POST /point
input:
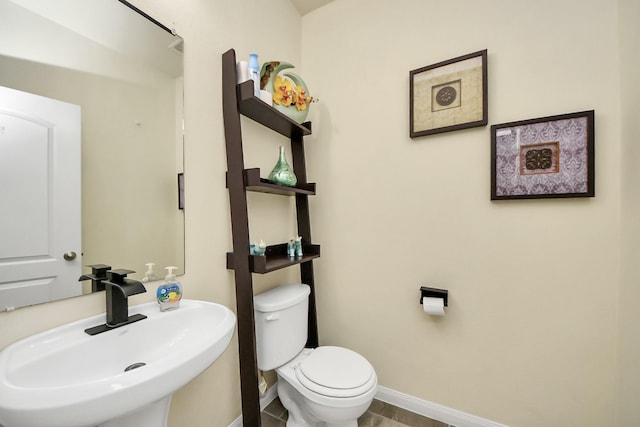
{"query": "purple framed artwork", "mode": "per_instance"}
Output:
(548, 157)
(449, 95)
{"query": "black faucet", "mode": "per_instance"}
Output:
(98, 274)
(118, 289)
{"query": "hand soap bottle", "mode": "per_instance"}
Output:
(149, 275)
(169, 292)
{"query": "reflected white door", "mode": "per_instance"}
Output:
(40, 217)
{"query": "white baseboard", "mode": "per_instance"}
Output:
(404, 401)
(432, 410)
(269, 396)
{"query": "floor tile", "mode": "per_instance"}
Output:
(403, 416)
(276, 409)
(369, 419)
(380, 414)
(271, 421)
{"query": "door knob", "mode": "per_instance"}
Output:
(69, 256)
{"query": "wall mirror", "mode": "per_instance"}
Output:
(91, 146)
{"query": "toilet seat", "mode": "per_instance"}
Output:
(336, 372)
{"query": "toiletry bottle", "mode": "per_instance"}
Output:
(298, 246)
(260, 248)
(254, 73)
(169, 292)
(149, 275)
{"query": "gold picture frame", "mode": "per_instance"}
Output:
(449, 95)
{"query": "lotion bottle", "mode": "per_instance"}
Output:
(254, 73)
(169, 292)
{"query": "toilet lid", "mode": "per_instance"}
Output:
(336, 371)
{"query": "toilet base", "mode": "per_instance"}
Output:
(305, 413)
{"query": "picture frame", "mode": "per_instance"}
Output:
(448, 96)
(181, 191)
(547, 157)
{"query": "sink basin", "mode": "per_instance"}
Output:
(67, 378)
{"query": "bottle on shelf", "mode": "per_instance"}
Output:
(254, 73)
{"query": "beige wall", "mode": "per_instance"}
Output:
(629, 11)
(531, 333)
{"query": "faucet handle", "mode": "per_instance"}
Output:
(117, 276)
(99, 270)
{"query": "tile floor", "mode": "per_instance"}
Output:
(379, 414)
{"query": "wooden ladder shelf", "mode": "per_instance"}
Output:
(239, 99)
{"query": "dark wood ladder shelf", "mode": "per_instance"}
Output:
(253, 182)
(239, 99)
(257, 110)
(276, 257)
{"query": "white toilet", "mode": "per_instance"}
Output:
(322, 387)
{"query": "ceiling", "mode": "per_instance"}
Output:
(306, 6)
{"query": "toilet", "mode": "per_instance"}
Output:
(325, 386)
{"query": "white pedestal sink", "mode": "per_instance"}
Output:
(66, 378)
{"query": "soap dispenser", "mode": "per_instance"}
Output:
(169, 292)
(149, 275)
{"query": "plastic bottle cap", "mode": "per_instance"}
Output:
(170, 274)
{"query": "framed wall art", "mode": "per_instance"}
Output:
(545, 157)
(449, 95)
(181, 190)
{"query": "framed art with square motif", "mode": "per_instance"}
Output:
(545, 157)
(449, 95)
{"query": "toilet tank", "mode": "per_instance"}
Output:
(281, 317)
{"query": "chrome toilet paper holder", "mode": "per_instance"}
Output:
(434, 293)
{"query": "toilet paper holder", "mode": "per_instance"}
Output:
(434, 293)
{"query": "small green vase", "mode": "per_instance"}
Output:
(282, 174)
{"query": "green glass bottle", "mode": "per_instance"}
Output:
(282, 174)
